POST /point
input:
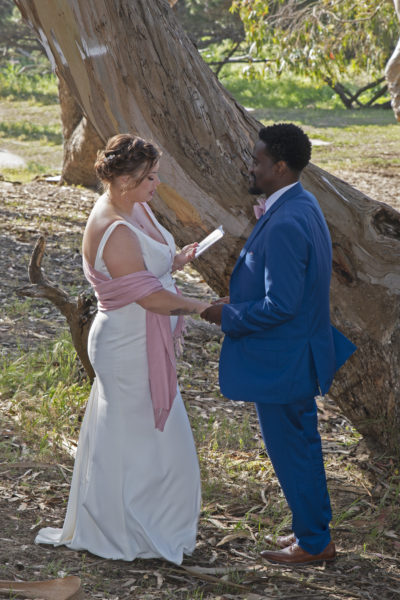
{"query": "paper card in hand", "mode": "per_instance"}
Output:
(208, 241)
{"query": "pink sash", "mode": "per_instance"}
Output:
(118, 292)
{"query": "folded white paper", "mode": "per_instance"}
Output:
(208, 241)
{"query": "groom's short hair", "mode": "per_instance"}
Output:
(287, 142)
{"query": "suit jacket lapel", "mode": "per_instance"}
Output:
(294, 191)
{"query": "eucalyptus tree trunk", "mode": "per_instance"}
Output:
(132, 68)
(81, 141)
(392, 72)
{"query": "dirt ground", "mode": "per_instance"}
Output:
(238, 510)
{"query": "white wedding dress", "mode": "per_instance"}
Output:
(135, 490)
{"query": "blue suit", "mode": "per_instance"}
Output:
(280, 349)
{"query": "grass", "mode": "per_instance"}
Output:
(32, 132)
(43, 390)
(353, 145)
(54, 568)
(286, 92)
(27, 131)
(30, 125)
(359, 139)
(264, 88)
(25, 307)
(224, 433)
(30, 121)
(45, 394)
(28, 173)
(19, 82)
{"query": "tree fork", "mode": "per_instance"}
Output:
(79, 313)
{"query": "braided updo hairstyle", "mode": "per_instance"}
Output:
(126, 154)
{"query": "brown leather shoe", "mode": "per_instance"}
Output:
(282, 541)
(294, 555)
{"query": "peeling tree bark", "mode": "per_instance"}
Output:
(65, 588)
(392, 72)
(81, 141)
(132, 68)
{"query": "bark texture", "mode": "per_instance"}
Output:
(81, 141)
(392, 72)
(65, 588)
(132, 68)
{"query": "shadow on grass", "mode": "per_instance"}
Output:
(301, 100)
(11, 92)
(16, 84)
(24, 130)
(326, 117)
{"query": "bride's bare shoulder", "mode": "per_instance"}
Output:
(100, 218)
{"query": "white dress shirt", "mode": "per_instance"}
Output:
(276, 195)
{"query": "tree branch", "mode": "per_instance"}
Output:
(349, 99)
(227, 59)
(79, 313)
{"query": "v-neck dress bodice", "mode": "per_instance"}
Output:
(158, 257)
(135, 491)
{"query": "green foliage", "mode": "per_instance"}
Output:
(25, 174)
(25, 72)
(54, 568)
(287, 91)
(26, 130)
(321, 38)
(216, 52)
(45, 393)
(16, 37)
(19, 81)
(209, 21)
(31, 129)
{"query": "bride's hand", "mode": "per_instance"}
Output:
(197, 307)
(202, 307)
(185, 256)
(224, 300)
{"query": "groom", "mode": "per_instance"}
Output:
(280, 349)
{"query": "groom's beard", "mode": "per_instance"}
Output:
(253, 188)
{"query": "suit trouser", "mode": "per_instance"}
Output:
(291, 437)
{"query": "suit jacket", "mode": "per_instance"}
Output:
(279, 343)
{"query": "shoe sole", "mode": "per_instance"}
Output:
(318, 561)
(281, 546)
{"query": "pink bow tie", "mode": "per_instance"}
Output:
(259, 209)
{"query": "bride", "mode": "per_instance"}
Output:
(135, 489)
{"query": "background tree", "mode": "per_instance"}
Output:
(131, 67)
(16, 37)
(209, 21)
(324, 39)
(392, 72)
(21, 51)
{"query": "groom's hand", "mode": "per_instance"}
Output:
(224, 300)
(213, 314)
